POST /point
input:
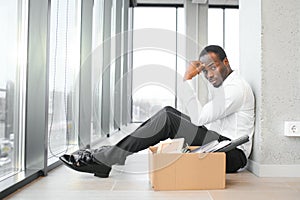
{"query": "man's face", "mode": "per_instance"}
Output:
(215, 70)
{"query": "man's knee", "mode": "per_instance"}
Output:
(169, 109)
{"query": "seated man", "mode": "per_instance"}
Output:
(229, 112)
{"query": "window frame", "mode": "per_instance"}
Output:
(210, 6)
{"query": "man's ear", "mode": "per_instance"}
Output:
(226, 62)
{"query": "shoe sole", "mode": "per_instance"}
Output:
(100, 175)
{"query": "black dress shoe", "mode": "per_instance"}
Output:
(83, 161)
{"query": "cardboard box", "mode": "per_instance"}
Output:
(186, 171)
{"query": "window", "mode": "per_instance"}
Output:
(151, 94)
(45, 70)
(64, 66)
(12, 80)
(223, 30)
(153, 66)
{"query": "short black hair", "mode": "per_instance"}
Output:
(215, 49)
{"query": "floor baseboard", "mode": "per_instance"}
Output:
(263, 170)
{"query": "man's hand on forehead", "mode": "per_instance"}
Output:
(198, 65)
(194, 68)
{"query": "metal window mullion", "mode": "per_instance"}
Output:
(36, 137)
(224, 28)
(97, 64)
(191, 21)
(125, 64)
(130, 67)
(176, 58)
(85, 84)
(118, 65)
(105, 103)
(202, 41)
(19, 136)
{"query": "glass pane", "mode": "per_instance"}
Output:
(181, 45)
(154, 69)
(215, 26)
(12, 66)
(63, 75)
(146, 103)
(154, 17)
(232, 37)
(181, 62)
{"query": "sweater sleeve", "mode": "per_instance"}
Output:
(225, 102)
(189, 100)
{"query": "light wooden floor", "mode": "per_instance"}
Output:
(131, 182)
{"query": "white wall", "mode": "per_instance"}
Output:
(270, 61)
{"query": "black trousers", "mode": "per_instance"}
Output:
(167, 123)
